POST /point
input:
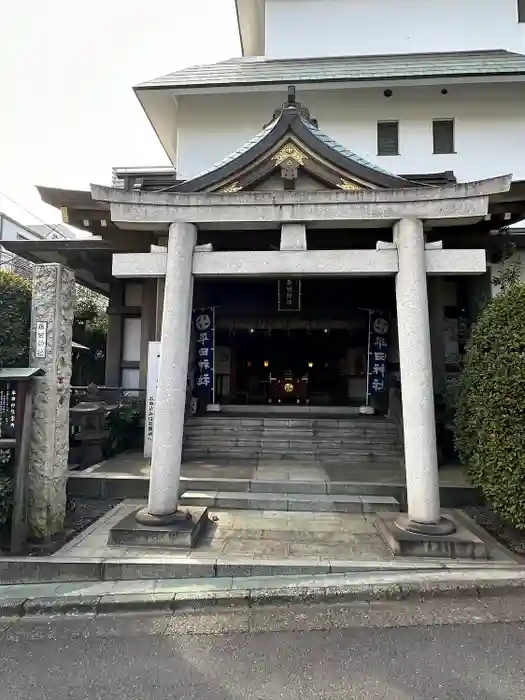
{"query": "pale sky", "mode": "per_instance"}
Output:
(68, 113)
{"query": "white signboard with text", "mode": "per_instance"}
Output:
(41, 339)
(151, 395)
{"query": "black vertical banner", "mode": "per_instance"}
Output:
(377, 388)
(204, 325)
(289, 295)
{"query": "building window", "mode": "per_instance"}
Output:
(521, 10)
(387, 138)
(443, 134)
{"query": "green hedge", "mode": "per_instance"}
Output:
(15, 311)
(490, 419)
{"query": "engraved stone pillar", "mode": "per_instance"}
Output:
(52, 313)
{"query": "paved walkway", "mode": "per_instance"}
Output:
(237, 540)
(275, 535)
(134, 464)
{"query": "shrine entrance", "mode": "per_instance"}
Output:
(322, 366)
(317, 355)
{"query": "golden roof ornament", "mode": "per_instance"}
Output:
(290, 152)
(348, 185)
(232, 188)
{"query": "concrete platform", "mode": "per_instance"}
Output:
(461, 544)
(182, 534)
(127, 476)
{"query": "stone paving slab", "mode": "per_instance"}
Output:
(130, 464)
(271, 534)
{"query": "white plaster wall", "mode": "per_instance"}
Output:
(489, 124)
(131, 340)
(301, 28)
(130, 379)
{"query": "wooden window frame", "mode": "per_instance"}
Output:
(387, 122)
(437, 152)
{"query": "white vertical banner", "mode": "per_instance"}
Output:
(41, 339)
(151, 394)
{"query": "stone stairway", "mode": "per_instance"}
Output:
(354, 440)
(293, 455)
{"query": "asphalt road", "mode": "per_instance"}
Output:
(390, 651)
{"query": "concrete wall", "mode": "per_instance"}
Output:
(300, 28)
(488, 123)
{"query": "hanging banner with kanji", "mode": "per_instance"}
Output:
(289, 295)
(204, 327)
(377, 388)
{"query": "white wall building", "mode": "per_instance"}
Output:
(407, 63)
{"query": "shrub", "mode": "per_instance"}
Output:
(490, 418)
(15, 310)
(124, 427)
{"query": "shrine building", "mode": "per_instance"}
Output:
(315, 268)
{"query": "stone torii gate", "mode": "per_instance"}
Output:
(408, 258)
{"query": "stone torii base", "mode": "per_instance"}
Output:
(451, 539)
(141, 529)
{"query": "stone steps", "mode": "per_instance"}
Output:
(341, 440)
(227, 423)
(292, 441)
(297, 502)
(282, 427)
(246, 453)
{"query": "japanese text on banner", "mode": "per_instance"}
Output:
(378, 360)
(204, 325)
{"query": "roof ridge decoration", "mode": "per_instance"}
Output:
(291, 103)
(293, 143)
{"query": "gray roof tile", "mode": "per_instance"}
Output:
(257, 71)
